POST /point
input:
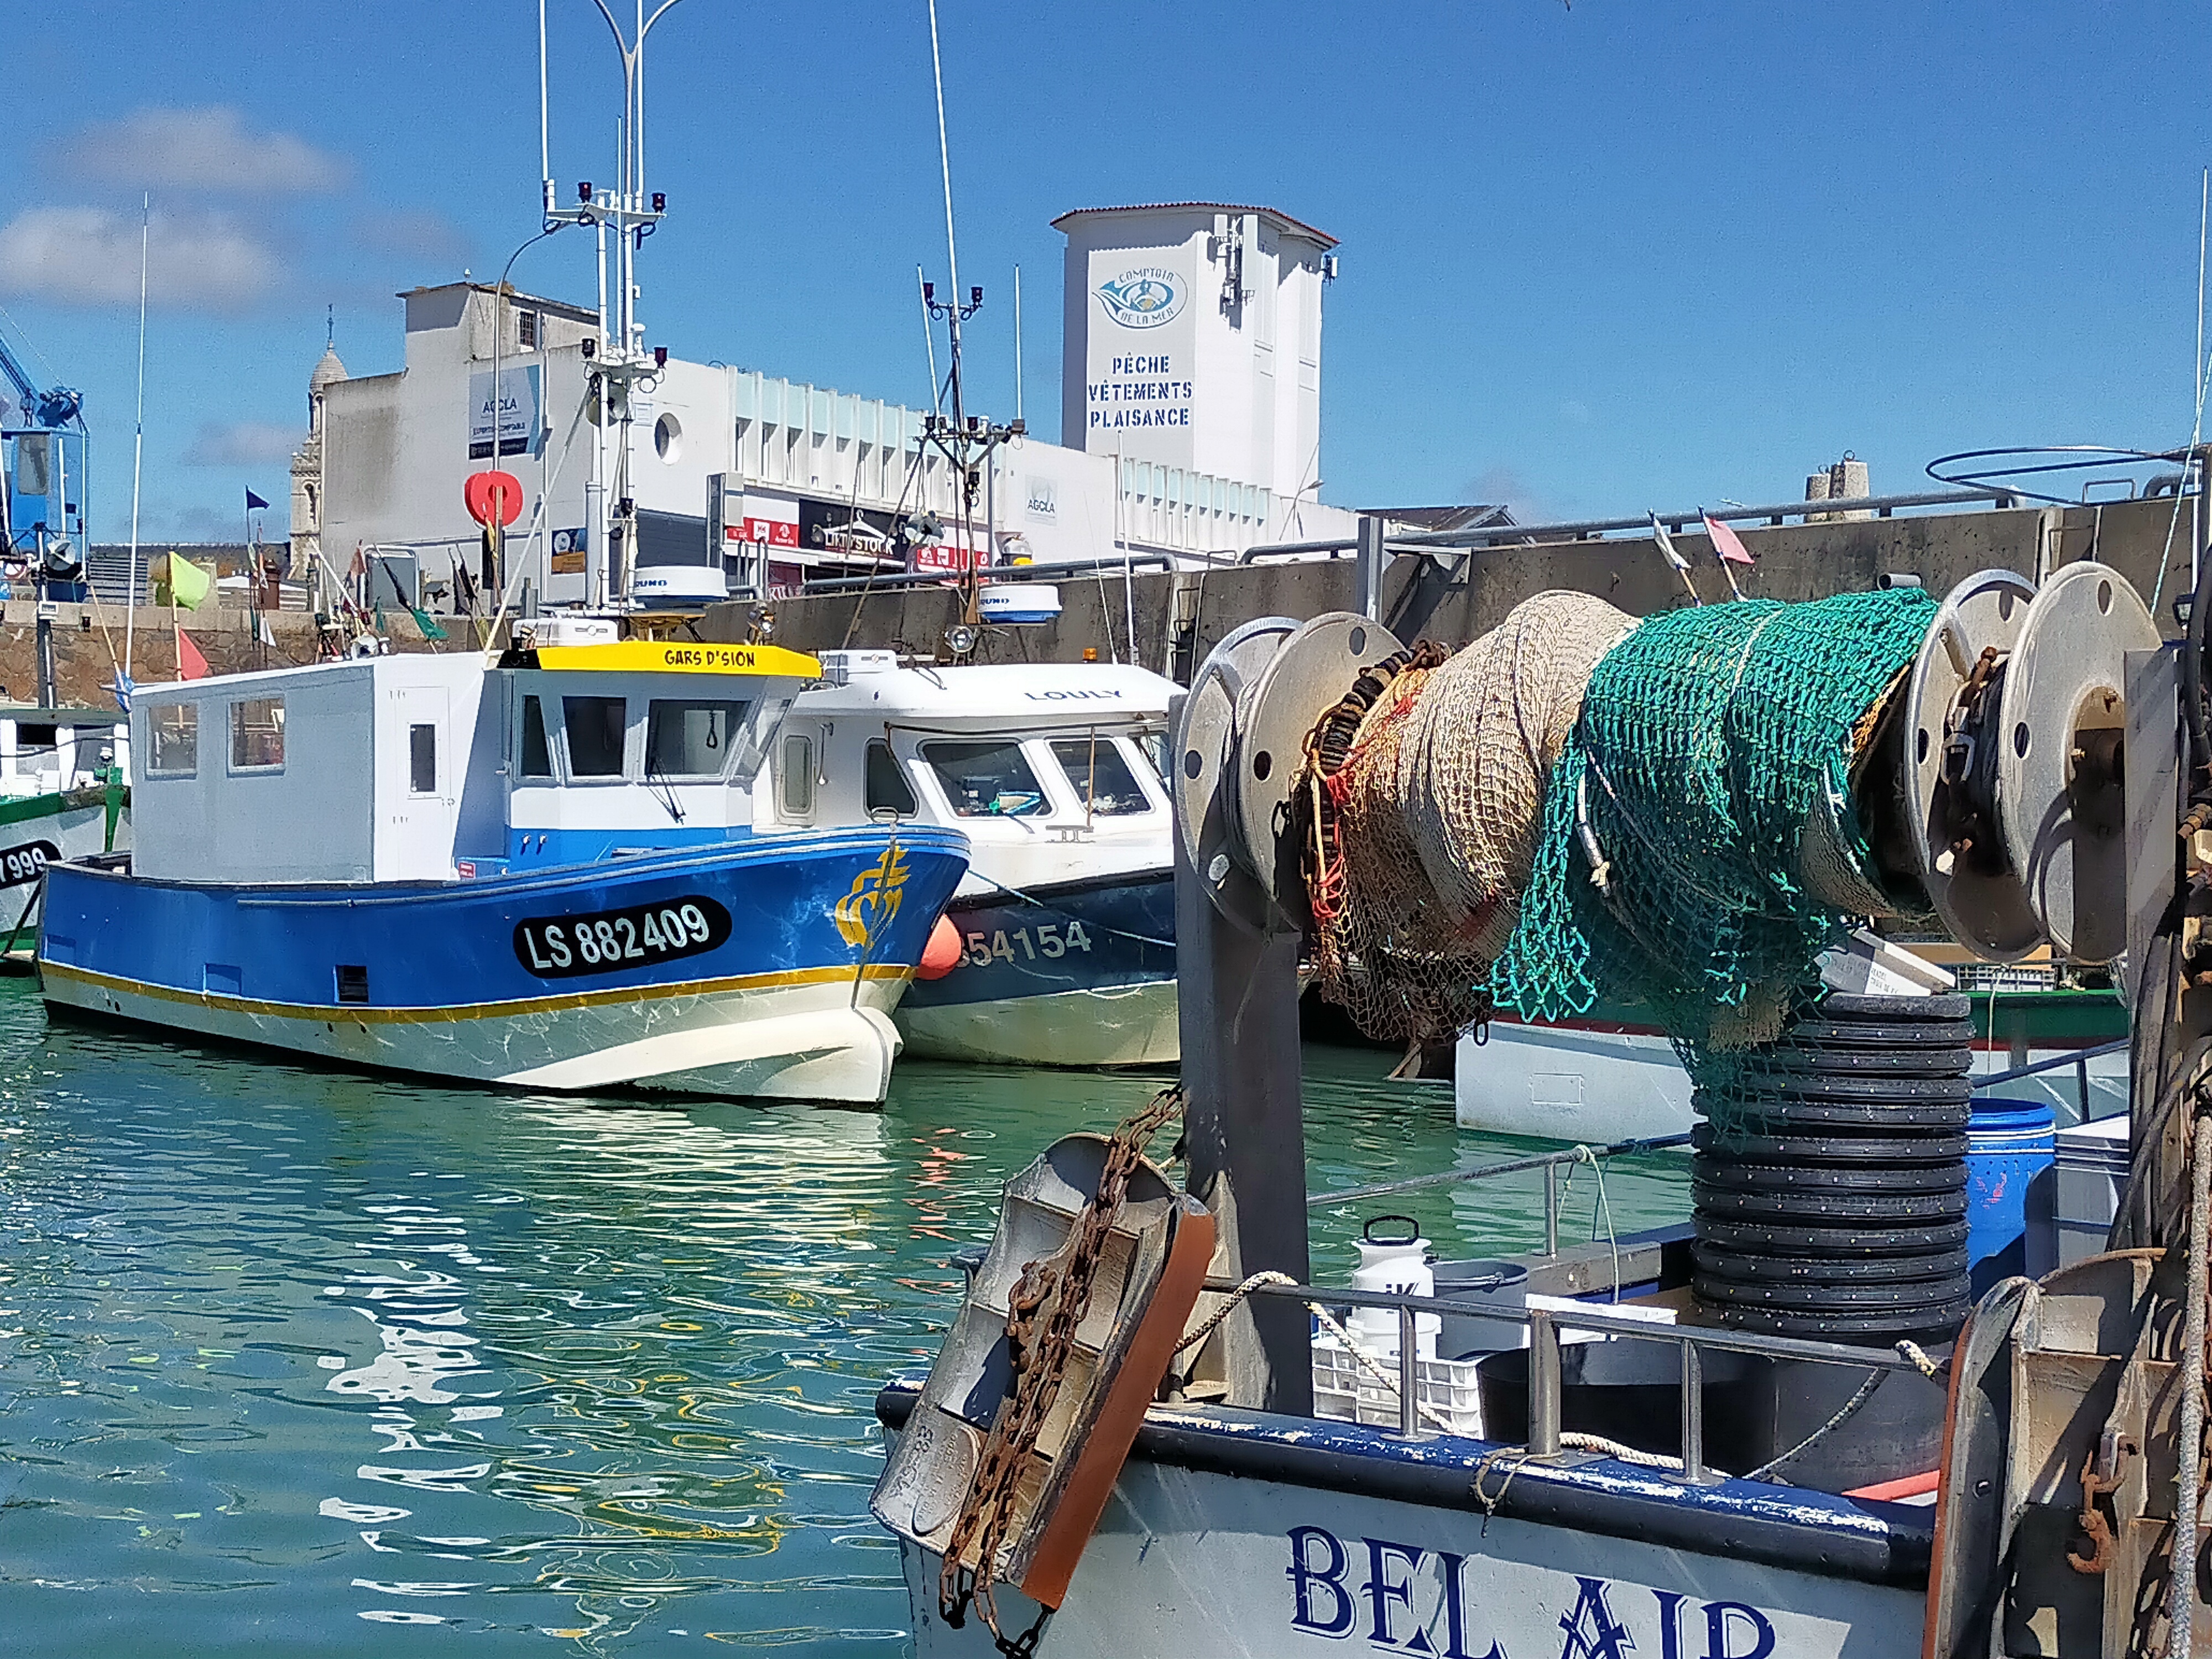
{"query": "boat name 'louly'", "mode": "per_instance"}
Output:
(1064, 695)
(606, 941)
(1607, 1621)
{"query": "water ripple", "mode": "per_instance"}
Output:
(347, 1366)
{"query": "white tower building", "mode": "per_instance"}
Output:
(307, 469)
(1193, 341)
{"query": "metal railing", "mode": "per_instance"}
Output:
(1545, 1389)
(2079, 1059)
(1549, 1162)
(1879, 506)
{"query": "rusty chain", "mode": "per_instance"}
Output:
(1043, 1309)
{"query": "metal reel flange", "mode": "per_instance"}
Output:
(2062, 723)
(1204, 734)
(1311, 673)
(1955, 850)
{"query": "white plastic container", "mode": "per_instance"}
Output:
(1398, 1263)
(1018, 602)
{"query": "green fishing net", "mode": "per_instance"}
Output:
(1708, 740)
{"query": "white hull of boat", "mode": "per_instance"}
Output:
(1192, 1565)
(1568, 1083)
(1104, 1025)
(829, 1039)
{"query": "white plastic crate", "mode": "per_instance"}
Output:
(1346, 1392)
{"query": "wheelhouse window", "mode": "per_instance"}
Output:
(536, 754)
(595, 735)
(423, 760)
(889, 789)
(257, 734)
(687, 739)
(175, 730)
(795, 778)
(1101, 778)
(987, 779)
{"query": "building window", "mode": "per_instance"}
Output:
(987, 779)
(537, 757)
(689, 739)
(423, 760)
(176, 733)
(798, 777)
(257, 734)
(888, 788)
(1102, 779)
(595, 736)
(525, 323)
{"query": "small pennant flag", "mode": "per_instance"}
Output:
(261, 631)
(253, 501)
(123, 686)
(1673, 557)
(190, 665)
(1726, 542)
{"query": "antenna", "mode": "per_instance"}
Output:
(139, 439)
(620, 361)
(966, 441)
(951, 247)
(544, 131)
(1018, 343)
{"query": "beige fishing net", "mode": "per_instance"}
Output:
(1420, 809)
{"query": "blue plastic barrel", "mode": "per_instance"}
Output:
(2009, 1143)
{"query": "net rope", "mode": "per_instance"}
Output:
(1420, 809)
(1671, 868)
(1579, 809)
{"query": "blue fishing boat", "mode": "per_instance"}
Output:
(541, 873)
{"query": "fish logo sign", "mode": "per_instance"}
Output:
(867, 909)
(1144, 298)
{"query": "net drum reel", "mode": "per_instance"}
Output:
(2011, 779)
(1240, 746)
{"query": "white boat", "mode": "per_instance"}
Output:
(1609, 1078)
(1065, 919)
(64, 794)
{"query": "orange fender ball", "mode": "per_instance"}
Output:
(942, 954)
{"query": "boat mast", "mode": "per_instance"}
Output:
(620, 366)
(965, 441)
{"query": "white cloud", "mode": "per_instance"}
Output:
(412, 233)
(242, 443)
(88, 256)
(199, 149)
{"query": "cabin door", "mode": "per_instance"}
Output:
(418, 788)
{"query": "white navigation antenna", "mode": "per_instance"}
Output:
(966, 441)
(621, 363)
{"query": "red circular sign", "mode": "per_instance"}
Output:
(490, 495)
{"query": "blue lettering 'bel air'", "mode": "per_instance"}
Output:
(1368, 1587)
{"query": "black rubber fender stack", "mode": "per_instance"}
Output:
(1830, 1184)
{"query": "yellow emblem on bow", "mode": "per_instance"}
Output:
(866, 910)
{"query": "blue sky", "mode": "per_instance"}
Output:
(1595, 259)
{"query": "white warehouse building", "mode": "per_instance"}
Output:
(1190, 427)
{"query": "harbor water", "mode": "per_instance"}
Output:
(297, 1361)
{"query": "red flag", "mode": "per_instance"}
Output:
(190, 665)
(1726, 542)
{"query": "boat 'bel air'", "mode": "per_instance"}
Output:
(1066, 916)
(541, 873)
(1558, 1493)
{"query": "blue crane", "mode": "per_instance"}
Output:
(43, 477)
